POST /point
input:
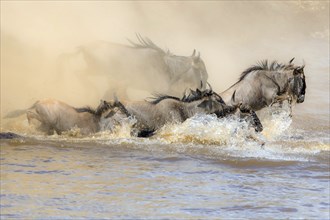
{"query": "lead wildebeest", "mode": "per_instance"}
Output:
(268, 83)
(58, 116)
(152, 115)
(143, 66)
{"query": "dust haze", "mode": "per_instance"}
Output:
(230, 36)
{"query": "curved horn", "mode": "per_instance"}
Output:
(291, 60)
(199, 55)
(194, 52)
(233, 98)
(210, 86)
(303, 66)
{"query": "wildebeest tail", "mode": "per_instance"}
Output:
(19, 112)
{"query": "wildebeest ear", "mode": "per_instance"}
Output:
(291, 60)
(196, 59)
(209, 86)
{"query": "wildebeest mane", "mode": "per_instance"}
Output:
(196, 95)
(160, 97)
(86, 109)
(103, 107)
(190, 97)
(264, 65)
(146, 43)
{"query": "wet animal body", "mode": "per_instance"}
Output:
(57, 116)
(152, 115)
(267, 83)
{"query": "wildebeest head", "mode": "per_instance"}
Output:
(102, 108)
(298, 84)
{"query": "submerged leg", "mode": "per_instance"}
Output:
(290, 105)
(255, 122)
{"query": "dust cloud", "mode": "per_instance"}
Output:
(230, 36)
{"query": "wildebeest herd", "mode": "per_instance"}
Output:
(259, 86)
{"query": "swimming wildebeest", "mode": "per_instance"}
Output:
(143, 66)
(152, 115)
(265, 84)
(58, 116)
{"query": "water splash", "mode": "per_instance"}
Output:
(207, 130)
(202, 135)
(275, 121)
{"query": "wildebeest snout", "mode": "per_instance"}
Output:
(301, 99)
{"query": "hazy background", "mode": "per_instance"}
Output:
(231, 36)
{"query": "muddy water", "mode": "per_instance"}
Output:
(203, 168)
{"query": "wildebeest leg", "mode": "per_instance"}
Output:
(43, 126)
(30, 115)
(290, 105)
(256, 123)
(280, 99)
(46, 128)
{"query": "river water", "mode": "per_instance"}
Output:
(203, 168)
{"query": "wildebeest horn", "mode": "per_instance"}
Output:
(199, 55)
(233, 98)
(291, 60)
(209, 85)
(194, 52)
(303, 66)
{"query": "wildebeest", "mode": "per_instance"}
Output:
(58, 116)
(142, 66)
(268, 83)
(152, 115)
